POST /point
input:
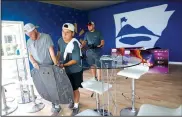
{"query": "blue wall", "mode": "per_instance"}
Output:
(170, 37)
(48, 17)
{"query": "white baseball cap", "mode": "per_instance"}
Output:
(29, 27)
(68, 26)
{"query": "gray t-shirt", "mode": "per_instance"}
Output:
(40, 49)
(75, 55)
(93, 37)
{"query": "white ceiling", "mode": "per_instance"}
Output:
(83, 5)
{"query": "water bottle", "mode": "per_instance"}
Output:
(127, 55)
(114, 56)
(17, 52)
(114, 53)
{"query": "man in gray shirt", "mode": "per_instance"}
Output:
(95, 42)
(70, 54)
(41, 51)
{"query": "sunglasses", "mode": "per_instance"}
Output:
(65, 26)
(89, 23)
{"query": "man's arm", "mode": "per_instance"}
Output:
(58, 52)
(84, 41)
(72, 62)
(32, 60)
(50, 45)
(102, 41)
(58, 55)
(53, 57)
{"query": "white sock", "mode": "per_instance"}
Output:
(56, 106)
(76, 105)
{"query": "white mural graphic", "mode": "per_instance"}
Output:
(141, 28)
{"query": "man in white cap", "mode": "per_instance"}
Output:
(69, 53)
(41, 51)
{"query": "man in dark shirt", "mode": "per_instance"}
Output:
(69, 53)
(95, 41)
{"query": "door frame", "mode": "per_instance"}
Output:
(22, 40)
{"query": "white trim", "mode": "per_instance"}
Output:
(175, 63)
(21, 24)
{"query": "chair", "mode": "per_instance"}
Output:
(134, 72)
(98, 87)
(88, 112)
(152, 110)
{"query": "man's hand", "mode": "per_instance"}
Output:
(57, 64)
(81, 46)
(61, 65)
(99, 46)
(35, 65)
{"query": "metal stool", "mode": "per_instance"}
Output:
(8, 109)
(37, 106)
(99, 88)
(134, 72)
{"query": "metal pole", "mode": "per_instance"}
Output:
(4, 97)
(115, 90)
(20, 80)
(7, 109)
(32, 93)
(133, 95)
(102, 88)
(25, 70)
(97, 95)
(108, 87)
(35, 107)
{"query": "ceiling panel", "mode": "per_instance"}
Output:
(84, 5)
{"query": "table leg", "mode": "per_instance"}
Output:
(130, 111)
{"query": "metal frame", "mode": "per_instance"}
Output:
(130, 111)
(7, 109)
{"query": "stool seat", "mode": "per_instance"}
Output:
(96, 86)
(88, 112)
(153, 110)
(5, 83)
(134, 72)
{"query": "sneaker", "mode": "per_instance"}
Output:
(54, 109)
(55, 114)
(71, 105)
(75, 111)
